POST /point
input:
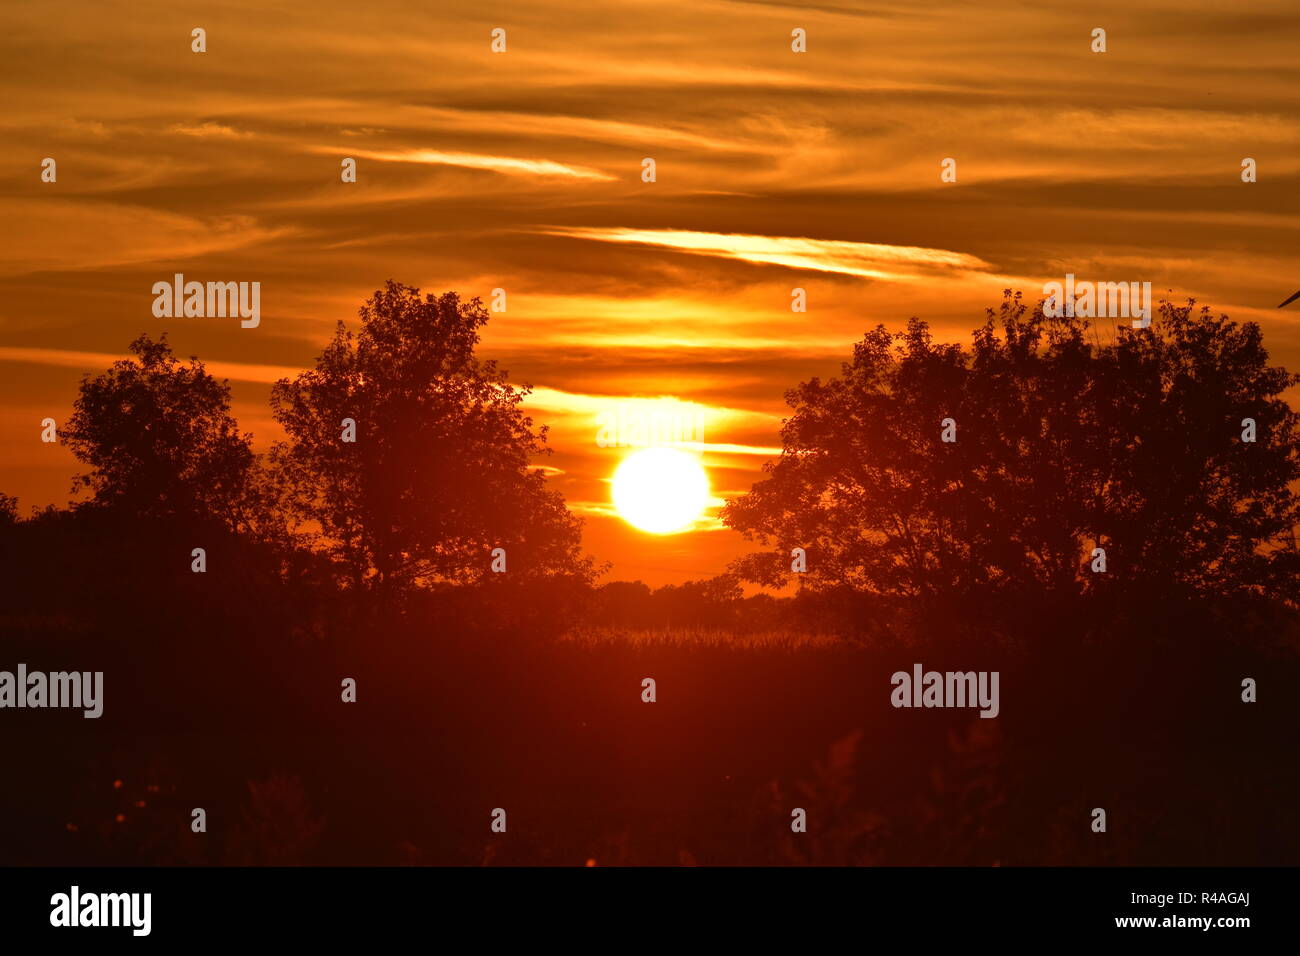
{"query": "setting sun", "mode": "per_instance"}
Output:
(660, 490)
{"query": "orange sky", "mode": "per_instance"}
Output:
(522, 170)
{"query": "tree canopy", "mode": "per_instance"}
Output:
(160, 439)
(1064, 444)
(441, 470)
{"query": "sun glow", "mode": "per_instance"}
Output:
(660, 490)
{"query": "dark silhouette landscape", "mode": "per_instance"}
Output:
(326, 560)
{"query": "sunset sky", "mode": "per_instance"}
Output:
(522, 170)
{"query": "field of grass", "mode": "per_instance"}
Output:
(451, 723)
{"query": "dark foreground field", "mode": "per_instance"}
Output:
(451, 723)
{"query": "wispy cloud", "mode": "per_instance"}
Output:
(579, 418)
(210, 131)
(868, 260)
(509, 165)
(557, 126)
(93, 361)
(87, 234)
(556, 400)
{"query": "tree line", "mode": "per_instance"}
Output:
(1035, 472)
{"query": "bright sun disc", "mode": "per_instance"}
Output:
(660, 490)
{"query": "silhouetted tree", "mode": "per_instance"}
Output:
(160, 439)
(1062, 445)
(440, 472)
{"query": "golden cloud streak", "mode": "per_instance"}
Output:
(865, 259)
(509, 165)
